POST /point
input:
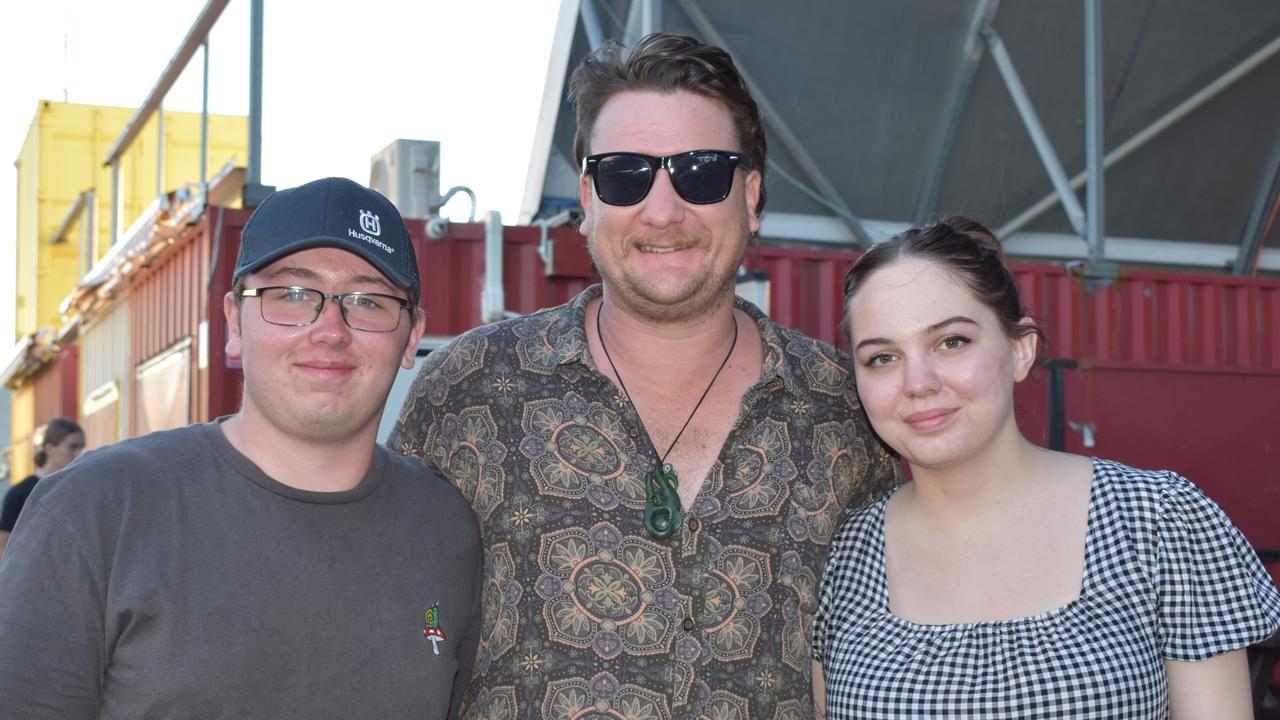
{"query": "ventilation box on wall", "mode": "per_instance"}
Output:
(408, 173)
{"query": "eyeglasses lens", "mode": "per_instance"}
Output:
(302, 306)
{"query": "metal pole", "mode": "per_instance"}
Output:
(253, 174)
(983, 15)
(115, 201)
(774, 120)
(204, 130)
(159, 151)
(590, 23)
(1142, 137)
(1093, 130)
(208, 16)
(1048, 157)
(1264, 205)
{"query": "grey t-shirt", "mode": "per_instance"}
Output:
(168, 576)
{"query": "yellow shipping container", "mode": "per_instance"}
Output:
(62, 157)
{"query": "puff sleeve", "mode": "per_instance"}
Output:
(1214, 596)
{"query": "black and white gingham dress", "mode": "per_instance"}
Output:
(1166, 576)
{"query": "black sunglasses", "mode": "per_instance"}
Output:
(701, 177)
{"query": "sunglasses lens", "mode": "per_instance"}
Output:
(702, 178)
(623, 179)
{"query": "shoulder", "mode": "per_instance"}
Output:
(1149, 494)
(428, 491)
(862, 529)
(102, 474)
(23, 488)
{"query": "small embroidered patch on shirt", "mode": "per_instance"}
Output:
(433, 631)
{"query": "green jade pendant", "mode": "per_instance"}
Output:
(662, 514)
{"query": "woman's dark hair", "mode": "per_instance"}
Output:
(665, 63)
(966, 249)
(53, 433)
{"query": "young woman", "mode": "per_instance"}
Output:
(1007, 580)
(58, 442)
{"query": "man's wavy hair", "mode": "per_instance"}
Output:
(665, 63)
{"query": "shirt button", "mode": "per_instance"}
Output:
(694, 525)
(688, 624)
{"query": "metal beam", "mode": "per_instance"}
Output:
(204, 129)
(195, 36)
(1031, 121)
(1262, 215)
(643, 17)
(1142, 137)
(253, 172)
(983, 15)
(827, 230)
(773, 119)
(591, 23)
(82, 202)
(1095, 196)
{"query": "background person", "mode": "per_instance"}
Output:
(276, 563)
(57, 442)
(658, 467)
(1007, 580)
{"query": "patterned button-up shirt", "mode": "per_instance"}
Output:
(583, 611)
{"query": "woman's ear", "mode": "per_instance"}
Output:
(1025, 349)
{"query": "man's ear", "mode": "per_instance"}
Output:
(415, 334)
(586, 198)
(231, 311)
(752, 196)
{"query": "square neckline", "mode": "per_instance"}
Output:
(1086, 571)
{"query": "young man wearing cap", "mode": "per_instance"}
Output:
(275, 563)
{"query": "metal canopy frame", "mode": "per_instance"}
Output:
(1086, 213)
(1262, 215)
(197, 37)
(1145, 135)
(774, 119)
(961, 87)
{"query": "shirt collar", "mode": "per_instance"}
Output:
(568, 335)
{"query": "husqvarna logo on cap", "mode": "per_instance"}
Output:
(369, 222)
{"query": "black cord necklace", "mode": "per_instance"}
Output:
(662, 512)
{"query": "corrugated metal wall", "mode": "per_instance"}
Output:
(167, 304)
(1148, 318)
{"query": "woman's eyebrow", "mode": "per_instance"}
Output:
(931, 329)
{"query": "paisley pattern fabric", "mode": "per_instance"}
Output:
(585, 615)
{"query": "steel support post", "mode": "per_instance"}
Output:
(254, 191)
(204, 129)
(1048, 157)
(983, 15)
(1262, 215)
(773, 119)
(1142, 137)
(115, 201)
(643, 17)
(1095, 195)
(159, 151)
(591, 23)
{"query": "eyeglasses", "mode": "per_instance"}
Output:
(293, 306)
(701, 177)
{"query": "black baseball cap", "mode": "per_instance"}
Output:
(333, 212)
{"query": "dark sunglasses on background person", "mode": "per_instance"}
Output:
(701, 177)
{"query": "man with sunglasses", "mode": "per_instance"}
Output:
(658, 468)
(276, 563)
